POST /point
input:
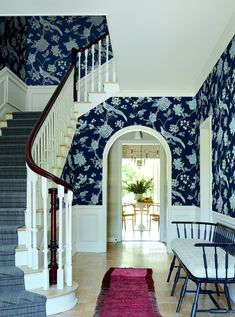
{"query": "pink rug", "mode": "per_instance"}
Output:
(127, 292)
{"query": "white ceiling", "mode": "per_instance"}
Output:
(161, 47)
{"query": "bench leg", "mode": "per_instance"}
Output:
(195, 303)
(226, 291)
(171, 268)
(217, 289)
(177, 275)
(183, 291)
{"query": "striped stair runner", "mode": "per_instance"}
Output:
(14, 299)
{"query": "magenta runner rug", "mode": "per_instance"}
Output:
(127, 292)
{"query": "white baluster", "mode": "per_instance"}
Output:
(99, 65)
(107, 59)
(79, 76)
(114, 73)
(34, 208)
(29, 218)
(60, 271)
(85, 87)
(92, 67)
(45, 248)
(68, 265)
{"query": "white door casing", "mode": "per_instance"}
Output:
(168, 174)
(206, 169)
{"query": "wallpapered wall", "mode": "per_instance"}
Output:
(174, 118)
(38, 49)
(12, 43)
(217, 98)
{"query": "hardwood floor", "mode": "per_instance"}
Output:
(89, 268)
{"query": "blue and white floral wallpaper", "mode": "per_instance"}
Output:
(12, 43)
(177, 119)
(174, 118)
(38, 48)
(217, 98)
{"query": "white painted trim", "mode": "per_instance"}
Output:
(89, 238)
(61, 304)
(222, 43)
(14, 92)
(166, 147)
(206, 169)
(185, 213)
(38, 96)
(224, 219)
(154, 93)
(59, 301)
(181, 213)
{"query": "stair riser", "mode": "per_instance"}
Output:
(7, 259)
(13, 186)
(12, 204)
(10, 163)
(11, 217)
(21, 123)
(16, 131)
(9, 238)
(21, 257)
(14, 150)
(26, 115)
(11, 282)
(33, 280)
(13, 139)
(30, 309)
(13, 173)
(5, 219)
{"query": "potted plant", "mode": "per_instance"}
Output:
(139, 187)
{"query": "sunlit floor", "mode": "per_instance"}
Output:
(89, 269)
(128, 234)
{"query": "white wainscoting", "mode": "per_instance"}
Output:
(13, 92)
(225, 220)
(15, 95)
(180, 213)
(89, 228)
(38, 97)
(230, 222)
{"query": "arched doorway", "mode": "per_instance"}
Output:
(165, 187)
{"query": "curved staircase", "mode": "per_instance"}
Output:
(15, 300)
(24, 196)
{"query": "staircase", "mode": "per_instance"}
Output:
(24, 219)
(14, 299)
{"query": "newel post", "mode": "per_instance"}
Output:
(53, 266)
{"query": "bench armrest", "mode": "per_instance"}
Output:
(214, 245)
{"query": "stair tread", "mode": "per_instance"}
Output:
(10, 270)
(7, 228)
(13, 145)
(20, 297)
(8, 248)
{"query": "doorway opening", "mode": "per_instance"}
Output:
(140, 174)
(112, 181)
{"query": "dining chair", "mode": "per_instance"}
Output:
(128, 213)
(154, 214)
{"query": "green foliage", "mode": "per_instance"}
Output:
(140, 186)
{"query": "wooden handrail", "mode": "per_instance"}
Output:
(29, 159)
